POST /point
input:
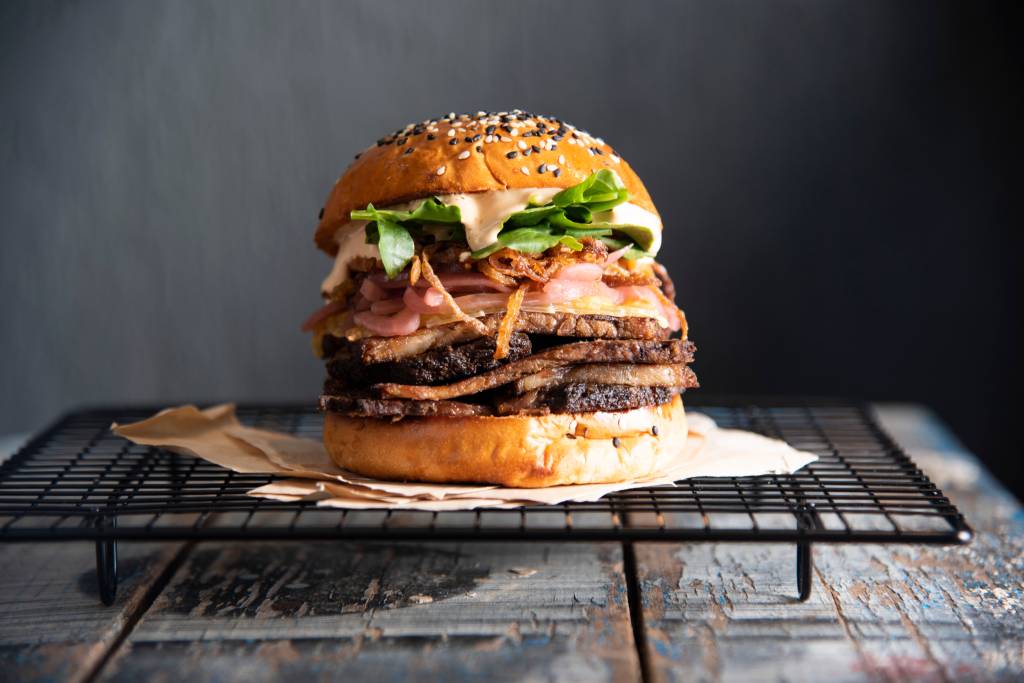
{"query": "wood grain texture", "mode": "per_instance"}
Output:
(893, 613)
(52, 625)
(266, 611)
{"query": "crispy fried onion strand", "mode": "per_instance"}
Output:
(508, 322)
(414, 271)
(435, 282)
(491, 272)
(516, 265)
(666, 282)
(512, 265)
(616, 275)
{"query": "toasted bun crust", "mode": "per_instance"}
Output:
(389, 173)
(521, 452)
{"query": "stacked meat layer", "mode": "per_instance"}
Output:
(555, 363)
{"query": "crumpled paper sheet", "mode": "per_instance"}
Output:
(215, 435)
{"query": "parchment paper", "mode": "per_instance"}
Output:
(215, 434)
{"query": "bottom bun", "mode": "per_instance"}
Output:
(526, 452)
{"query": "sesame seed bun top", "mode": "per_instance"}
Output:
(470, 153)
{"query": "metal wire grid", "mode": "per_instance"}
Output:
(78, 481)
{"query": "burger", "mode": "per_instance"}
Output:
(495, 312)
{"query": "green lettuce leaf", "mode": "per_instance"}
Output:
(393, 240)
(393, 231)
(571, 213)
(600, 191)
(430, 210)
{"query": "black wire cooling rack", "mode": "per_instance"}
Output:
(77, 481)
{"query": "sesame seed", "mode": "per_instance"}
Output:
(654, 430)
(408, 151)
(616, 441)
(514, 132)
(464, 154)
(475, 137)
(535, 148)
(453, 141)
(557, 172)
(479, 148)
(467, 139)
(512, 155)
(615, 158)
(552, 168)
(441, 170)
(451, 132)
(542, 168)
(489, 129)
(489, 139)
(521, 145)
(561, 158)
(527, 152)
(430, 136)
(321, 214)
(506, 139)
(525, 170)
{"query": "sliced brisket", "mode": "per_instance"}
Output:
(359, 406)
(388, 349)
(443, 364)
(595, 351)
(578, 397)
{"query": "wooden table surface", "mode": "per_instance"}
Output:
(536, 612)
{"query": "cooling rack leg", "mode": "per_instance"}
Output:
(804, 569)
(106, 570)
(106, 562)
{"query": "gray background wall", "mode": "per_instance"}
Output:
(833, 177)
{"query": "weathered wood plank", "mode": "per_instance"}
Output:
(262, 611)
(52, 624)
(721, 612)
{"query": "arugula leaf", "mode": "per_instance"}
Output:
(430, 210)
(633, 253)
(393, 240)
(600, 191)
(571, 214)
(536, 240)
(567, 218)
(390, 230)
(531, 216)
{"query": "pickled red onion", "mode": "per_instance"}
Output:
(616, 255)
(404, 322)
(562, 290)
(387, 306)
(451, 281)
(372, 290)
(429, 301)
(321, 314)
(580, 272)
(481, 301)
